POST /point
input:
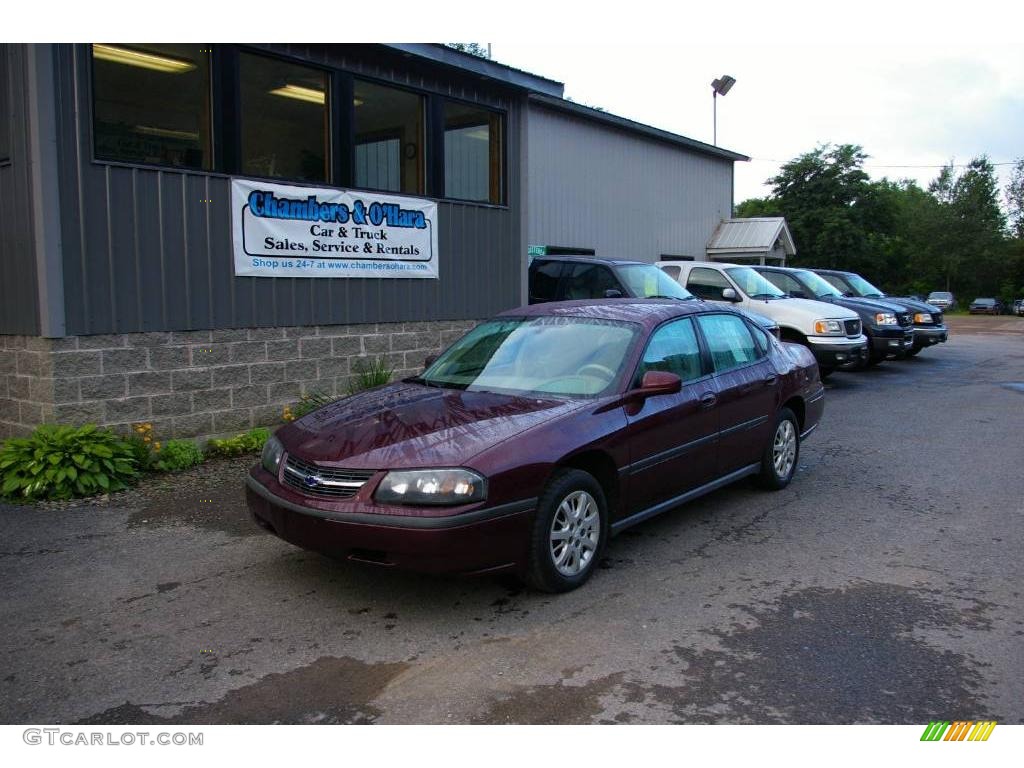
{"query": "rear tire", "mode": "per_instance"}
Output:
(569, 532)
(780, 457)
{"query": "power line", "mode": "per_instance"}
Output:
(874, 165)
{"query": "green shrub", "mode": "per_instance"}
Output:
(239, 445)
(369, 374)
(65, 462)
(177, 455)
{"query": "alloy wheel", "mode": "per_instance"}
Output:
(784, 448)
(575, 533)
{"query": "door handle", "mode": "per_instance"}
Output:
(769, 381)
(708, 399)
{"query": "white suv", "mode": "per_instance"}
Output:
(831, 332)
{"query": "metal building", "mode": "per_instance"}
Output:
(139, 283)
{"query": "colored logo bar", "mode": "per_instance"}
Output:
(958, 730)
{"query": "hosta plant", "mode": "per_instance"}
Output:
(59, 462)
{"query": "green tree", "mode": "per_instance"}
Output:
(838, 218)
(1015, 200)
(970, 233)
(474, 49)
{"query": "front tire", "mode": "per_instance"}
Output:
(569, 532)
(780, 457)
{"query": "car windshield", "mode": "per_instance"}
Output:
(863, 287)
(646, 281)
(940, 295)
(568, 356)
(753, 284)
(985, 301)
(819, 287)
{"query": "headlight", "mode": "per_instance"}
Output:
(885, 318)
(922, 317)
(828, 327)
(431, 486)
(273, 451)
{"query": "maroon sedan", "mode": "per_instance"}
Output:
(538, 435)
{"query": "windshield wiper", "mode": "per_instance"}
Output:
(666, 296)
(764, 296)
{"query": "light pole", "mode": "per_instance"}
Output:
(721, 86)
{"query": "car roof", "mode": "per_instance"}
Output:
(590, 260)
(646, 312)
(833, 271)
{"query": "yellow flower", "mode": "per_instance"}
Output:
(147, 439)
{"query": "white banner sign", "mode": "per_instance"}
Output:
(285, 231)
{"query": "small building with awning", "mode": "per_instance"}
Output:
(764, 240)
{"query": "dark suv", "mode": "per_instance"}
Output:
(926, 318)
(885, 339)
(566, 278)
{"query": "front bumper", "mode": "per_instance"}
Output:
(927, 335)
(891, 342)
(838, 352)
(487, 539)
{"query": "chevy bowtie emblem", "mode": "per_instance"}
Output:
(312, 481)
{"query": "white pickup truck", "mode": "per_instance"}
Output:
(832, 333)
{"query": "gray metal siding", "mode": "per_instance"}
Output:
(142, 252)
(19, 292)
(595, 186)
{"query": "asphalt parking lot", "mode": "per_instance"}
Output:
(883, 586)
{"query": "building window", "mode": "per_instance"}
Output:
(472, 153)
(284, 117)
(5, 106)
(389, 138)
(152, 104)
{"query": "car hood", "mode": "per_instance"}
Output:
(912, 305)
(809, 306)
(412, 425)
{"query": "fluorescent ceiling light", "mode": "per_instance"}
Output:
(142, 59)
(169, 133)
(301, 93)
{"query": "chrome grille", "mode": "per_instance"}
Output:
(852, 327)
(329, 482)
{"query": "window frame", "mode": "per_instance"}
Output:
(439, 151)
(236, 128)
(225, 108)
(761, 354)
(89, 117)
(350, 139)
(7, 129)
(706, 364)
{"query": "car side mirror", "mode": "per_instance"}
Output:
(613, 293)
(729, 294)
(429, 361)
(659, 383)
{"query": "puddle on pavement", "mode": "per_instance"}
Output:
(330, 690)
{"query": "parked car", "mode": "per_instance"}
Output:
(1018, 307)
(944, 300)
(885, 337)
(538, 435)
(832, 333)
(986, 306)
(929, 328)
(564, 278)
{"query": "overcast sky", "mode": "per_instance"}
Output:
(909, 105)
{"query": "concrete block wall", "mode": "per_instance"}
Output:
(197, 383)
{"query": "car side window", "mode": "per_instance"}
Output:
(729, 340)
(786, 283)
(674, 348)
(589, 281)
(672, 271)
(760, 339)
(544, 280)
(707, 283)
